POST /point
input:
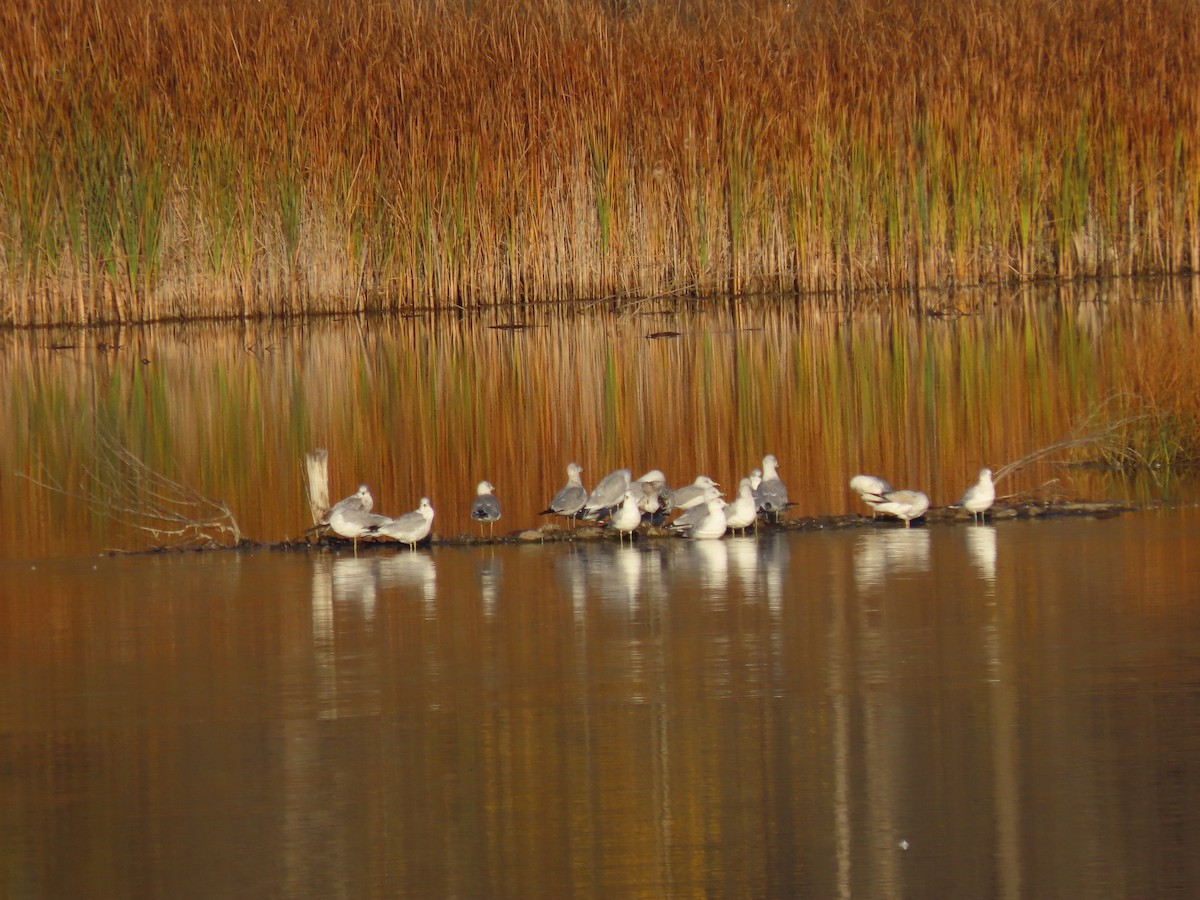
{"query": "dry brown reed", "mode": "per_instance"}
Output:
(222, 158)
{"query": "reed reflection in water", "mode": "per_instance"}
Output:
(1005, 710)
(431, 406)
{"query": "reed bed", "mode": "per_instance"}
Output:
(228, 159)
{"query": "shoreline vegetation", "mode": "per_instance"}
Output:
(226, 159)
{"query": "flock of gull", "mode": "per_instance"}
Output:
(624, 504)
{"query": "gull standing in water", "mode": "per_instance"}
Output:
(906, 505)
(485, 508)
(627, 516)
(608, 493)
(571, 497)
(694, 494)
(410, 528)
(869, 488)
(772, 492)
(741, 513)
(980, 496)
(354, 523)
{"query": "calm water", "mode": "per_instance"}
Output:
(1009, 710)
(948, 711)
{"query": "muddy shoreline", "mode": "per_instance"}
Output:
(555, 532)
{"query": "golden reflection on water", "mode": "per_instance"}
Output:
(430, 406)
(944, 711)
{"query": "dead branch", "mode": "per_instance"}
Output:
(316, 464)
(118, 485)
(1103, 434)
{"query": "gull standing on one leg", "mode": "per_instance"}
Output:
(354, 523)
(485, 508)
(906, 505)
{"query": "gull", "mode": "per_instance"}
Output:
(608, 493)
(866, 486)
(354, 523)
(772, 493)
(410, 528)
(656, 502)
(627, 516)
(741, 513)
(693, 514)
(359, 501)
(980, 496)
(485, 508)
(654, 476)
(714, 524)
(694, 493)
(755, 477)
(906, 505)
(571, 497)
(656, 497)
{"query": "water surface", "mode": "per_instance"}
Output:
(430, 406)
(945, 711)
(1005, 710)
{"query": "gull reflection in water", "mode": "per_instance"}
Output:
(415, 572)
(491, 573)
(619, 576)
(571, 573)
(774, 557)
(884, 553)
(350, 584)
(614, 573)
(712, 561)
(624, 581)
(743, 553)
(981, 547)
(356, 580)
